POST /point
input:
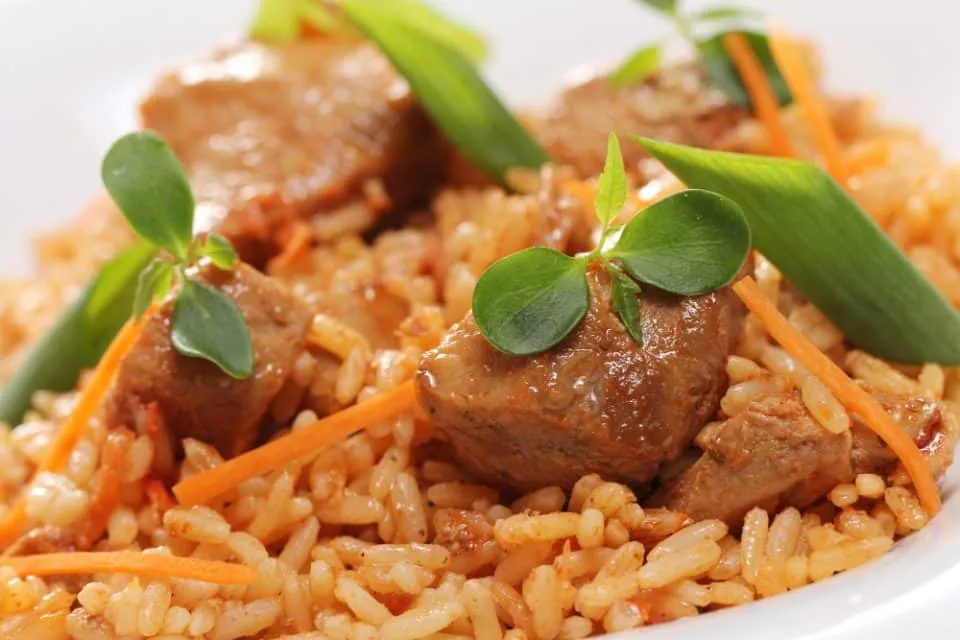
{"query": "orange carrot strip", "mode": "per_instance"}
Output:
(158, 494)
(801, 84)
(276, 454)
(300, 240)
(108, 490)
(874, 156)
(129, 562)
(77, 422)
(846, 391)
(761, 93)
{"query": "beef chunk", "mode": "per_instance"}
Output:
(195, 398)
(597, 403)
(677, 105)
(773, 452)
(273, 133)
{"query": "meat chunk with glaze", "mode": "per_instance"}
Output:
(677, 105)
(597, 403)
(271, 134)
(195, 399)
(775, 454)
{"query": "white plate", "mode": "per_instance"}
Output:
(71, 73)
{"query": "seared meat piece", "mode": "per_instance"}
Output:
(597, 403)
(775, 454)
(195, 398)
(677, 105)
(271, 134)
(773, 449)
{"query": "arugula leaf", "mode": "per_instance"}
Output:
(688, 243)
(452, 92)
(830, 249)
(154, 282)
(219, 250)
(149, 186)
(530, 301)
(611, 185)
(638, 67)
(623, 296)
(207, 324)
(722, 72)
(79, 336)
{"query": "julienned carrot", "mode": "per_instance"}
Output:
(136, 563)
(795, 72)
(846, 391)
(877, 154)
(761, 94)
(77, 422)
(107, 493)
(157, 494)
(298, 242)
(204, 486)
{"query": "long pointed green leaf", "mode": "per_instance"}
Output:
(437, 26)
(824, 243)
(79, 336)
(453, 93)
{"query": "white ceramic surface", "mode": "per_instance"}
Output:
(71, 72)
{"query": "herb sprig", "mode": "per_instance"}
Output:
(150, 188)
(713, 56)
(688, 244)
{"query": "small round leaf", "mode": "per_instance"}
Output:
(207, 324)
(623, 295)
(689, 243)
(149, 186)
(154, 282)
(529, 301)
(219, 250)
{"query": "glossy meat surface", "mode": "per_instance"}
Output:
(194, 397)
(272, 134)
(597, 403)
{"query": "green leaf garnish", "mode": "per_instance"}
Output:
(668, 7)
(149, 186)
(623, 295)
(689, 243)
(451, 91)
(277, 20)
(529, 301)
(722, 72)
(828, 248)
(436, 26)
(611, 184)
(207, 324)
(154, 282)
(638, 67)
(725, 13)
(219, 250)
(79, 336)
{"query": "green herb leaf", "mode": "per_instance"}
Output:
(207, 324)
(669, 7)
(531, 300)
(828, 248)
(450, 89)
(79, 336)
(435, 25)
(725, 13)
(154, 282)
(722, 72)
(611, 185)
(149, 186)
(638, 67)
(321, 18)
(623, 295)
(689, 243)
(277, 21)
(219, 250)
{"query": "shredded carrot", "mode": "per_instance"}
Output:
(206, 485)
(294, 248)
(846, 391)
(795, 72)
(761, 94)
(77, 422)
(875, 155)
(158, 495)
(105, 498)
(136, 563)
